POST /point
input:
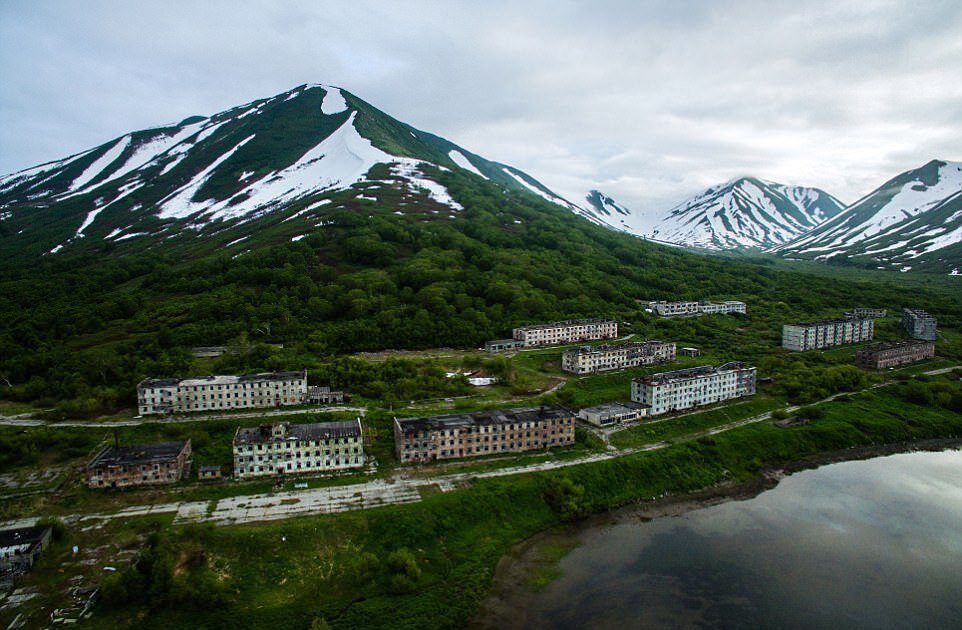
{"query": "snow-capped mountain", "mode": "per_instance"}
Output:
(912, 221)
(296, 156)
(746, 213)
(603, 210)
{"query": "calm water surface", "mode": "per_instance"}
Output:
(866, 544)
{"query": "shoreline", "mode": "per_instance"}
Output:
(516, 566)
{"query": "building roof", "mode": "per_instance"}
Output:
(838, 320)
(316, 431)
(204, 469)
(223, 379)
(568, 322)
(892, 345)
(663, 378)
(622, 346)
(615, 408)
(481, 418)
(138, 454)
(23, 535)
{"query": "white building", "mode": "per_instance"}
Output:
(590, 359)
(613, 413)
(285, 448)
(683, 389)
(823, 334)
(569, 331)
(221, 393)
(689, 308)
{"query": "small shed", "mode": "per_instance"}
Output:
(690, 352)
(207, 473)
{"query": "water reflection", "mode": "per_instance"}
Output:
(868, 544)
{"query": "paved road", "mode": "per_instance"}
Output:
(403, 487)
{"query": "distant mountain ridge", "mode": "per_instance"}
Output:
(912, 221)
(746, 213)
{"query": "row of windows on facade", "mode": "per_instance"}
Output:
(181, 399)
(491, 428)
(250, 448)
(432, 446)
(201, 388)
(300, 466)
(486, 447)
(296, 455)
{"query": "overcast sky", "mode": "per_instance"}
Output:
(651, 102)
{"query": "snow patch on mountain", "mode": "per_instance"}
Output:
(98, 165)
(180, 204)
(461, 160)
(334, 102)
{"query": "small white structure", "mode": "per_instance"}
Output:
(613, 413)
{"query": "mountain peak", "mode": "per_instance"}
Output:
(745, 212)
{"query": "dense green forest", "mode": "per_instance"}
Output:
(80, 331)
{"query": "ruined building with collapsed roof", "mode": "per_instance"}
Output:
(482, 433)
(140, 465)
(285, 448)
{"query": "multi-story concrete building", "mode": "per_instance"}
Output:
(569, 331)
(919, 324)
(221, 393)
(284, 448)
(324, 395)
(683, 389)
(482, 433)
(885, 355)
(613, 413)
(831, 332)
(689, 308)
(139, 465)
(590, 359)
(874, 313)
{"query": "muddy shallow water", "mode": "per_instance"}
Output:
(862, 544)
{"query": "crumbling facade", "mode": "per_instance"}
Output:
(221, 393)
(613, 413)
(482, 433)
(590, 359)
(20, 547)
(140, 465)
(693, 387)
(885, 355)
(285, 448)
(919, 324)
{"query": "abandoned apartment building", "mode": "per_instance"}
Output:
(226, 392)
(451, 436)
(919, 324)
(827, 333)
(693, 387)
(556, 333)
(285, 448)
(880, 356)
(693, 308)
(140, 465)
(590, 359)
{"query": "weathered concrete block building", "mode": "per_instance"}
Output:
(323, 395)
(20, 547)
(482, 433)
(613, 413)
(691, 308)
(885, 355)
(140, 465)
(590, 359)
(500, 345)
(569, 331)
(692, 387)
(826, 333)
(919, 324)
(874, 313)
(285, 448)
(221, 393)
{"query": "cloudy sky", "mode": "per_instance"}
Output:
(648, 101)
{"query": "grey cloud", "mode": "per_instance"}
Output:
(648, 101)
